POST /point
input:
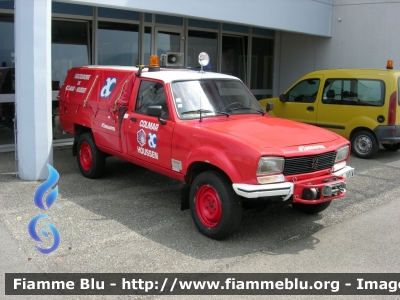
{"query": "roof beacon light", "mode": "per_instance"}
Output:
(154, 64)
(389, 64)
(204, 60)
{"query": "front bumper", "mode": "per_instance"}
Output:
(310, 191)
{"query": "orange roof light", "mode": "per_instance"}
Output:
(154, 62)
(389, 64)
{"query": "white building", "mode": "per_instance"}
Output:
(268, 44)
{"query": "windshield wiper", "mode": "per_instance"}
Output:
(223, 113)
(198, 111)
(242, 107)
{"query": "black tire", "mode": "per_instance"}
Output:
(91, 160)
(215, 207)
(311, 209)
(391, 147)
(364, 144)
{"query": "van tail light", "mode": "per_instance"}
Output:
(392, 109)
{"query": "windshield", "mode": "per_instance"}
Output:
(213, 97)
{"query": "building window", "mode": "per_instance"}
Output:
(202, 41)
(118, 44)
(234, 56)
(147, 45)
(262, 62)
(7, 79)
(7, 86)
(168, 42)
(169, 20)
(71, 9)
(7, 40)
(69, 48)
(118, 14)
(203, 24)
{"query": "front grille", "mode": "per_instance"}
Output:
(309, 164)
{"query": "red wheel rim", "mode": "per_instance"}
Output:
(208, 206)
(85, 156)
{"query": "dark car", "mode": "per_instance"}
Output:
(7, 86)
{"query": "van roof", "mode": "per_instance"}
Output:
(168, 74)
(356, 72)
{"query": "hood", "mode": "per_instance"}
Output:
(271, 132)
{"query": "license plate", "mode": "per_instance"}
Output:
(348, 174)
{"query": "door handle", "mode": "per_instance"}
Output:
(133, 119)
(311, 108)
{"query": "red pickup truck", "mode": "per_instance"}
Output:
(204, 129)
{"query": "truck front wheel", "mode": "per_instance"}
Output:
(311, 209)
(216, 209)
(91, 160)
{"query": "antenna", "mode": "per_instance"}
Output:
(201, 87)
(204, 60)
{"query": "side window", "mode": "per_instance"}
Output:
(333, 88)
(360, 92)
(371, 92)
(151, 93)
(305, 91)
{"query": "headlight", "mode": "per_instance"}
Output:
(340, 160)
(342, 154)
(270, 165)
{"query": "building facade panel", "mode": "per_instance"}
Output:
(365, 34)
(306, 16)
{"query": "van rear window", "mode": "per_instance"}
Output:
(360, 92)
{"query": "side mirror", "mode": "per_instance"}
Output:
(270, 106)
(283, 98)
(156, 111)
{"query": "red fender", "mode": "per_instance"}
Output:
(215, 157)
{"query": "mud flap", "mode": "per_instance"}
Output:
(185, 191)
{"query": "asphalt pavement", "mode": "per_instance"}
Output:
(129, 221)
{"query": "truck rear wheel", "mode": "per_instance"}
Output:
(216, 209)
(311, 209)
(91, 160)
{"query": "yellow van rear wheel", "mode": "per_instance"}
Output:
(364, 144)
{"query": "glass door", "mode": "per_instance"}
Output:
(168, 40)
(234, 56)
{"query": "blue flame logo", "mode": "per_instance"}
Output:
(44, 187)
(50, 199)
(35, 236)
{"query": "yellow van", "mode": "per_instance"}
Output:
(359, 104)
